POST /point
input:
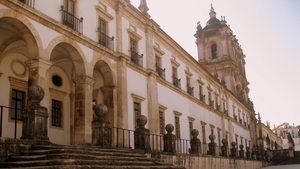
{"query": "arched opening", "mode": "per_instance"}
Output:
(103, 90)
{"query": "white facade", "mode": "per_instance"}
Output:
(36, 45)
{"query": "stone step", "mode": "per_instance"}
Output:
(81, 151)
(65, 162)
(101, 167)
(78, 156)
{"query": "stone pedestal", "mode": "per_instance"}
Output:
(35, 118)
(170, 140)
(248, 152)
(241, 152)
(195, 142)
(233, 150)
(101, 130)
(212, 145)
(142, 135)
(224, 148)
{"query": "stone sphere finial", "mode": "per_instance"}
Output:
(233, 144)
(169, 128)
(224, 142)
(241, 146)
(141, 121)
(212, 137)
(194, 133)
(35, 94)
(100, 111)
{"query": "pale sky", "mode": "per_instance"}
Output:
(269, 34)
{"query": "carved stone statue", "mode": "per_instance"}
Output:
(212, 145)
(224, 148)
(101, 130)
(141, 134)
(169, 140)
(195, 142)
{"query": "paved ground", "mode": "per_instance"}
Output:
(296, 166)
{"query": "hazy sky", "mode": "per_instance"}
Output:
(269, 34)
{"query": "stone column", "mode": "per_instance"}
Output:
(169, 140)
(35, 118)
(83, 115)
(38, 75)
(195, 143)
(142, 135)
(101, 135)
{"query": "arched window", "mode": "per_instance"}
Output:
(214, 51)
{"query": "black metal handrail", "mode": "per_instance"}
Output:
(136, 57)
(176, 82)
(211, 103)
(161, 72)
(15, 119)
(106, 41)
(71, 21)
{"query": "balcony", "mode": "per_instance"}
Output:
(106, 41)
(225, 111)
(136, 57)
(190, 90)
(71, 21)
(176, 82)
(28, 2)
(218, 107)
(235, 117)
(211, 103)
(202, 98)
(161, 72)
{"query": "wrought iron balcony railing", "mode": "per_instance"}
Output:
(106, 41)
(136, 57)
(190, 90)
(202, 98)
(211, 103)
(176, 82)
(71, 21)
(161, 72)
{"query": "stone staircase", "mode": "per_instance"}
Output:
(73, 157)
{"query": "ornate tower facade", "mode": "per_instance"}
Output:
(220, 53)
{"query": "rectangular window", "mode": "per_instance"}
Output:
(56, 113)
(174, 72)
(133, 45)
(157, 61)
(161, 122)
(17, 104)
(102, 32)
(69, 6)
(137, 112)
(177, 127)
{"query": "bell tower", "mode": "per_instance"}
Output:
(220, 53)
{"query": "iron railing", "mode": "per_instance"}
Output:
(71, 21)
(106, 41)
(136, 57)
(161, 72)
(176, 82)
(211, 103)
(190, 90)
(202, 98)
(15, 110)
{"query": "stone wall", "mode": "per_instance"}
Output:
(9, 146)
(209, 162)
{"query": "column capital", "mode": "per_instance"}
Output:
(83, 80)
(39, 63)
